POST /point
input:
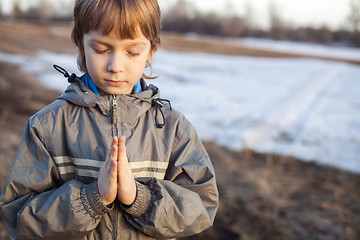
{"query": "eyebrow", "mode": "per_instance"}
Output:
(130, 44)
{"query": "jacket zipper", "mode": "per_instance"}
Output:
(114, 118)
(115, 133)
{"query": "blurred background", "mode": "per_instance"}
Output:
(319, 21)
(272, 87)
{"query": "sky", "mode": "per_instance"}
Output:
(300, 12)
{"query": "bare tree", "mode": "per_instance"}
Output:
(249, 13)
(63, 9)
(249, 19)
(17, 12)
(179, 16)
(354, 21)
(229, 9)
(354, 16)
(277, 26)
(231, 24)
(184, 17)
(42, 11)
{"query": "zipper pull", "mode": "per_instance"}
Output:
(114, 107)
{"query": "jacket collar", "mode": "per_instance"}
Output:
(134, 105)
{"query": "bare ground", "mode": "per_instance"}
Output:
(262, 196)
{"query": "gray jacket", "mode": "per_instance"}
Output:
(51, 191)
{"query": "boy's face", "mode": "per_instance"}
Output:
(115, 65)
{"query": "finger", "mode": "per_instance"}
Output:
(121, 146)
(114, 143)
(115, 140)
(114, 153)
(122, 160)
(122, 140)
(113, 168)
(120, 152)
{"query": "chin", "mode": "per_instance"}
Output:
(115, 92)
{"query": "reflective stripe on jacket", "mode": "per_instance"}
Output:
(51, 191)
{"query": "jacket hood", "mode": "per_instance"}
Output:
(79, 94)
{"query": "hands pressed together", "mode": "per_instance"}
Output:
(115, 177)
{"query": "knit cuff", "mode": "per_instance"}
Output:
(91, 200)
(142, 201)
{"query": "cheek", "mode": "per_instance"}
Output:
(87, 57)
(93, 62)
(139, 67)
(89, 64)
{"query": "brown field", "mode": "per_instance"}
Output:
(262, 196)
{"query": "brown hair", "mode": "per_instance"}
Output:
(124, 17)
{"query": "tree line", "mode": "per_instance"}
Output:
(183, 17)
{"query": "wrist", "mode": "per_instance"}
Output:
(128, 198)
(92, 201)
(142, 201)
(106, 203)
(105, 197)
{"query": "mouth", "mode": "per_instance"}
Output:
(114, 82)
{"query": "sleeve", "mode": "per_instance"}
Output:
(35, 206)
(186, 202)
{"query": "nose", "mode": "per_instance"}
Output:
(116, 63)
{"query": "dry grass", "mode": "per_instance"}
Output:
(27, 38)
(284, 198)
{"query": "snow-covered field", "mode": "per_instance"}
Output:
(306, 108)
(301, 48)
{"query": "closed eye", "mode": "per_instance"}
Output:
(99, 48)
(101, 51)
(133, 54)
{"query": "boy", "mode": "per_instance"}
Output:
(74, 178)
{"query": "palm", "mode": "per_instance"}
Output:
(115, 176)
